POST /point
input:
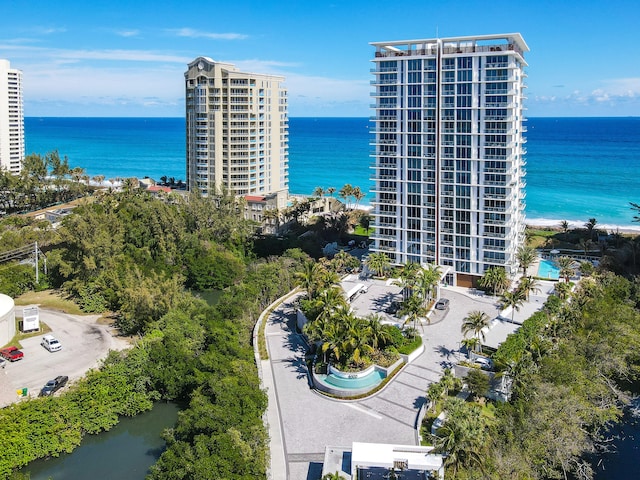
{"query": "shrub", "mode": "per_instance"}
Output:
(412, 345)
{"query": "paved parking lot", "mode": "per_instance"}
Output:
(84, 344)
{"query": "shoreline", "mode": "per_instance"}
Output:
(574, 224)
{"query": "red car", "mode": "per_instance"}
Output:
(11, 353)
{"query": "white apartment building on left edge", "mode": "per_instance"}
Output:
(11, 118)
(237, 130)
(449, 157)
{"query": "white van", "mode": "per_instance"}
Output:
(51, 343)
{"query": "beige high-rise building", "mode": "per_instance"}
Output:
(449, 153)
(237, 130)
(11, 118)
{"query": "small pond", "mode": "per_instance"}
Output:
(125, 452)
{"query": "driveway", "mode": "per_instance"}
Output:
(84, 344)
(309, 421)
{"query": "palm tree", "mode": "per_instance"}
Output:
(270, 216)
(332, 340)
(526, 256)
(585, 244)
(495, 278)
(427, 281)
(357, 339)
(333, 476)
(379, 262)
(435, 392)
(514, 300)
(414, 310)
(562, 290)
(365, 222)
(566, 269)
(408, 278)
(448, 380)
(307, 278)
(329, 301)
(463, 437)
(357, 195)
(318, 192)
(345, 193)
(331, 191)
(590, 226)
(378, 333)
(564, 225)
(98, 179)
(475, 321)
(471, 344)
(528, 285)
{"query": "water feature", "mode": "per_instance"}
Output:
(125, 452)
(372, 379)
(548, 269)
(622, 462)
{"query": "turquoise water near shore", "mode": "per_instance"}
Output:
(577, 168)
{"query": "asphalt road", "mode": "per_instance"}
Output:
(84, 344)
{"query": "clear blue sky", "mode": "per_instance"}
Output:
(127, 58)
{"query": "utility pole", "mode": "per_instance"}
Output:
(36, 249)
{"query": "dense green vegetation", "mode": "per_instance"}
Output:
(43, 181)
(573, 366)
(345, 340)
(137, 255)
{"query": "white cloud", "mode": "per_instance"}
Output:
(28, 53)
(127, 33)
(191, 33)
(612, 93)
(47, 30)
(90, 82)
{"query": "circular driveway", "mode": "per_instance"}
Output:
(310, 422)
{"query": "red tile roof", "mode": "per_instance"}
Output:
(158, 188)
(252, 198)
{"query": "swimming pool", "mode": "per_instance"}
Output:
(548, 269)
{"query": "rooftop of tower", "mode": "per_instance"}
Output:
(468, 44)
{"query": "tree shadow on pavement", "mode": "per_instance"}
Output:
(444, 351)
(298, 365)
(278, 317)
(419, 401)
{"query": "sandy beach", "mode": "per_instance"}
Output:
(555, 224)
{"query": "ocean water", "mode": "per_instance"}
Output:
(577, 168)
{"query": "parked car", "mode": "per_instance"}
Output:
(11, 353)
(54, 385)
(51, 343)
(442, 304)
(393, 308)
(484, 363)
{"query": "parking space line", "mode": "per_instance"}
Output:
(368, 412)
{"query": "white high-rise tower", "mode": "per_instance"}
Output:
(449, 152)
(11, 118)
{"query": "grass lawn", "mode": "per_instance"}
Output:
(358, 230)
(51, 299)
